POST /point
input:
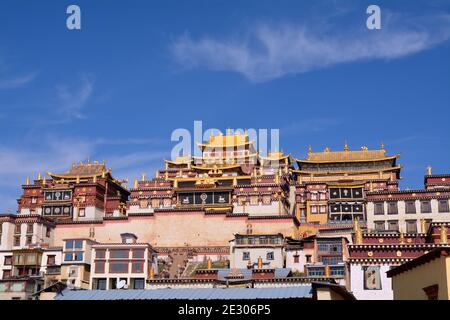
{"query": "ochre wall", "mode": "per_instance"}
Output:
(175, 229)
(409, 285)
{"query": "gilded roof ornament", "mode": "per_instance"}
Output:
(429, 170)
(345, 146)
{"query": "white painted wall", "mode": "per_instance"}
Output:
(357, 284)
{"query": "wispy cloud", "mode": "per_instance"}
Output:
(268, 52)
(17, 82)
(71, 101)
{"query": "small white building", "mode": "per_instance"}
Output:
(247, 249)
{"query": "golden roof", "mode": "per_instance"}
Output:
(275, 156)
(347, 156)
(228, 140)
(180, 160)
(83, 170)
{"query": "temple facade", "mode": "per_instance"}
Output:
(221, 206)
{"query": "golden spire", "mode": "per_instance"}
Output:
(382, 146)
(39, 177)
(364, 148)
(27, 181)
(143, 176)
(346, 146)
(152, 273)
(402, 236)
(327, 149)
(260, 262)
(44, 181)
(136, 184)
(94, 179)
(310, 150)
(429, 170)
(444, 239)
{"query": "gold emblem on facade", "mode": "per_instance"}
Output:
(399, 253)
(370, 253)
(380, 240)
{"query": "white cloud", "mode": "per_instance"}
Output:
(269, 52)
(71, 101)
(17, 82)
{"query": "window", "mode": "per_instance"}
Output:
(379, 225)
(74, 244)
(137, 267)
(266, 199)
(167, 202)
(331, 259)
(308, 258)
(16, 241)
(245, 255)
(73, 256)
(6, 274)
(372, 278)
(47, 232)
(51, 260)
(101, 284)
(99, 267)
(270, 255)
(393, 225)
(8, 261)
(322, 196)
(138, 254)
(323, 209)
(143, 204)
(296, 258)
(100, 254)
(316, 272)
(139, 284)
(17, 229)
(443, 206)
(425, 206)
(392, 208)
(119, 254)
(81, 212)
(410, 207)
(411, 226)
(155, 203)
(334, 271)
(118, 267)
(379, 207)
(33, 200)
(313, 196)
(29, 240)
(313, 209)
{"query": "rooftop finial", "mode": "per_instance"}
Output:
(429, 170)
(39, 177)
(364, 148)
(382, 146)
(327, 149)
(136, 184)
(310, 150)
(345, 146)
(143, 176)
(27, 181)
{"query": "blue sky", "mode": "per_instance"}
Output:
(137, 70)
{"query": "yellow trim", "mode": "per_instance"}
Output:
(349, 172)
(215, 178)
(343, 161)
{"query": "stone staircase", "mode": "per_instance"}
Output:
(178, 264)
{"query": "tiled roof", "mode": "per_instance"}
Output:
(293, 292)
